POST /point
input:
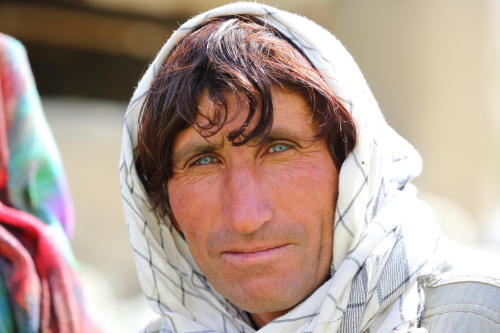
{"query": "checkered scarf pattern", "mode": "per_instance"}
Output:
(384, 238)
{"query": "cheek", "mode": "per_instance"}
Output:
(314, 183)
(178, 204)
(190, 203)
(196, 207)
(306, 194)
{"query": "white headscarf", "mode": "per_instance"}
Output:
(384, 237)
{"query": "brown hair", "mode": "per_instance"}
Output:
(241, 55)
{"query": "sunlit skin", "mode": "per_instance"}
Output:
(258, 219)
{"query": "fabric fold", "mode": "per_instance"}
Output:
(44, 291)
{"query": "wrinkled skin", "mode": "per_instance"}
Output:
(258, 219)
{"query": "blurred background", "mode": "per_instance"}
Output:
(433, 65)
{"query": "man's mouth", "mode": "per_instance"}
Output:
(255, 254)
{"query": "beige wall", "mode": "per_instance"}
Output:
(165, 8)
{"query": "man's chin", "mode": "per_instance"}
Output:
(265, 307)
(263, 298)
(268, 305)
(275, 288)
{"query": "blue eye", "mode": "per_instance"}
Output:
(279, 147)
(205, 160)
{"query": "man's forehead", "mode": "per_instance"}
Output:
(285, 102)
(292, 120)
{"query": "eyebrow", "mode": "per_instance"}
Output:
(195, 148)
(284, 133)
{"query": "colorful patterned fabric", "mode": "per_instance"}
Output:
(39, 291)
(43, 290)
(36, 183)
(385, 238)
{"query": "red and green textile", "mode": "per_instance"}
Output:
(39, 291)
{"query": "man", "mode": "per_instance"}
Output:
(264, 190)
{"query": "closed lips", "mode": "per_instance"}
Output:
(255, 253)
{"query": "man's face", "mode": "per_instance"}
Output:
(258, 219)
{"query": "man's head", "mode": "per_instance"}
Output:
(240, 144)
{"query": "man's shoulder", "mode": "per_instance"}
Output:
(465, 297)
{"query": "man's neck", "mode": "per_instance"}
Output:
(261, 319)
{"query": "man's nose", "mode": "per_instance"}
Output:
(246, 201)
